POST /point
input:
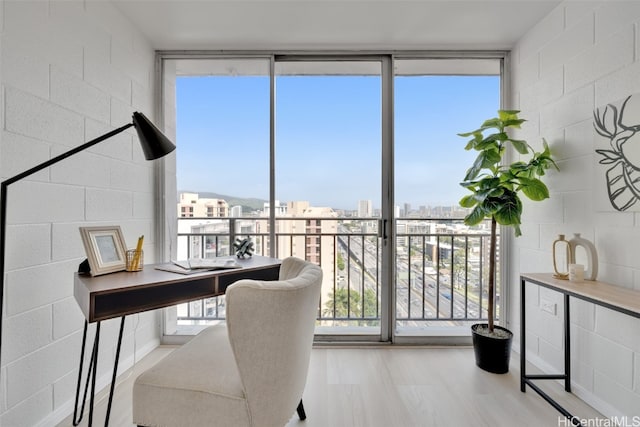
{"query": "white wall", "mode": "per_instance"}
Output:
(582, 56)
(70, 71)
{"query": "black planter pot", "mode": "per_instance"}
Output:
(492, 353)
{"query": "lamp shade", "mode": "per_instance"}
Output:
(154, 143)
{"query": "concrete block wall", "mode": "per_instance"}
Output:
(582, 56)
(70, 71)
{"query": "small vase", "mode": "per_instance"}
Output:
(591, 271)
(561, 258)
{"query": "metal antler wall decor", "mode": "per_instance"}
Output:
(623, 177)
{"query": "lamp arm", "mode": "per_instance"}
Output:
(3, 199)
(66, 154)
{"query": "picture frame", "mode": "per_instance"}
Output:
(105, 248)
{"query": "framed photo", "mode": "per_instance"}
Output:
(105, 248)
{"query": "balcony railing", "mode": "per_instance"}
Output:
(440, 273)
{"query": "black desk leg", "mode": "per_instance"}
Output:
(77, 420)
(115, 372)
(567, 345)
(523, 346)
(96, 343)
(91, 376)
(93, 361)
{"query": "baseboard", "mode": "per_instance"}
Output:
(585, 395)
(66, 409)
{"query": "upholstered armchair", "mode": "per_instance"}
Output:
(251, 371)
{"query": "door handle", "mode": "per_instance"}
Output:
(382, 232)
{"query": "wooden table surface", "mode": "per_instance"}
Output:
(118, 294)
(616, 297)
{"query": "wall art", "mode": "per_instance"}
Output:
(617, 142)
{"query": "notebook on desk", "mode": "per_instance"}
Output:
(195, 265)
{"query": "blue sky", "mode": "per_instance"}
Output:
(328, 138)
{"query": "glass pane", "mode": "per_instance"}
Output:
(222, 163)
(441, 279)
(328, 157)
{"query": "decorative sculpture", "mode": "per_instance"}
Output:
(243, 247)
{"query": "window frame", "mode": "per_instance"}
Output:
(166, 191)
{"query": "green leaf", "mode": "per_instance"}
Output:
(488, 143)
(471, 185)
(468, 201)
(518, 167)
(467, 134)
(497, 192)
(513, 123)
(473, 142)
(505, 115)
(492, 205)
(476, 216)
(492, 123)
(485, 159)
(489, 182)
(534, 189)
(510, 211)
(520, 146)
(517, 231)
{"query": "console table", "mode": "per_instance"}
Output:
(617, 298)
(119, 294)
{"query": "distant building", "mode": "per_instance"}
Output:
(192, 206)
(306, 232)
(236, 212)
(280, 209)
(365, 208)
(407, 209)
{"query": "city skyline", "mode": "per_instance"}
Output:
(201, 200)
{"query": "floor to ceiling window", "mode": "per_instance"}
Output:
(440, 279)
(349, 161)
(222, 129)
(328, 155)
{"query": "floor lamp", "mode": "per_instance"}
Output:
(154, 145)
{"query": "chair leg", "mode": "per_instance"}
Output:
(301, 412)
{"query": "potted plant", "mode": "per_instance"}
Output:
(495, 188)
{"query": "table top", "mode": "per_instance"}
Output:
(117, 294)
(616, 297)
(114, 282)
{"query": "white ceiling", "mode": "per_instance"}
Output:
(334, 24)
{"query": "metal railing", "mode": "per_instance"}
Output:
(440, 265)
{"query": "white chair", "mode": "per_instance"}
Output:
(251, 372)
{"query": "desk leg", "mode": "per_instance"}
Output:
(567, 345)
(115, 372)
(91, 376)
(91, 371)
(96, 344)
(523, 346)
(77, 420)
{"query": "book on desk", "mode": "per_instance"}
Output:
(196, 265)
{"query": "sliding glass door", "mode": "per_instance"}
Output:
(327, 171)
(222, 118)
(440, 275)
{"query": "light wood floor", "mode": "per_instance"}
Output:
(389, 387)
